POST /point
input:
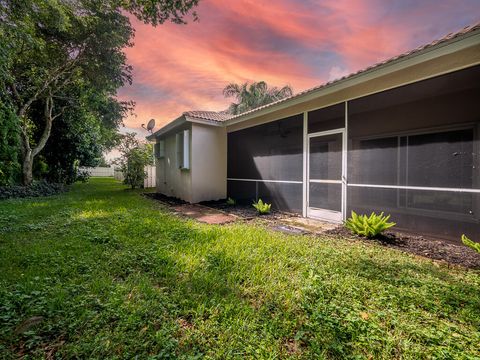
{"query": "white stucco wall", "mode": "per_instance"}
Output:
(207, 177)
(170, 180)
(209, 162)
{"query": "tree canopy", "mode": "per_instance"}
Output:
(249, 96)
(62, 62)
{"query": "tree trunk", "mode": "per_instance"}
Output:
(27, 175)
(28, 154)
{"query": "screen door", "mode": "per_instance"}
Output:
(325, 175)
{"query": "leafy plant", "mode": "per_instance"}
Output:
(231, 202)
(470, 243)
(37, 188)
(134, 157)
(368, 226)
(82, 175)
(262, 208)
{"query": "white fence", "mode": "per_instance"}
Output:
(118, 175)
(149, 181)
(98, 171)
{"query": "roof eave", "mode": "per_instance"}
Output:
(168, 127)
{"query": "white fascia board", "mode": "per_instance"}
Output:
(430, 53)
(203, 121)
(180, 121)
(170, 126)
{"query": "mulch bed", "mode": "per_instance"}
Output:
(443, 250)
(165, 199)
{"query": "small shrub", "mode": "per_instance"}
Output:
(134, 157)
(470, 243)
(82, 175)
(231, 202)
(262, 208)
(368, 226)
(38, 188)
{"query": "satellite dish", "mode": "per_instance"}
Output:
(150, 125)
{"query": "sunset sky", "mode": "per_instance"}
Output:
(300, 43)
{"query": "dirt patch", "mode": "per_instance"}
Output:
(431, 248)
(205, 214)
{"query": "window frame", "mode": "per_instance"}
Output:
(182, 143)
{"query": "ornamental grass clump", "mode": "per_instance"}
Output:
(368, 226)
(262, 208)
(470, 243)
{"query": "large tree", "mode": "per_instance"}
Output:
(54, 46)
(252, 95)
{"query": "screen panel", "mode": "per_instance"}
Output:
(244, 192)
(325, 157)
(420, 135)
(441, 159)
(329, 118)
(272, 151)
(282, 196)
(325, 196)
(439, 214)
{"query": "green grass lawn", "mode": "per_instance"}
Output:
(102, 272)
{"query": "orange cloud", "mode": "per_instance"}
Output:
(185, 67)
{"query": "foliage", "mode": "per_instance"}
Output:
(231, 202)
(134, 157)
(81, 137)
(59, 55)
(102, 162)
(368, 226)
(262, 208)
(470, 243)
(82, 176)
(253, 95)
(9, 146)
(37, 188)
(100, 272)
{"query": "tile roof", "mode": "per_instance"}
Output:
(445, 39)
(209, 115)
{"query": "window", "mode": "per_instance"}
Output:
(160, 149)
(183, 149)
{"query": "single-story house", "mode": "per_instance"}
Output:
(401, 137)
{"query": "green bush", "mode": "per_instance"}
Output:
(231, 202)
(368, 226)
(472, 244)
(37, 188)
(134, 157)
(9, 146)
(262, 208)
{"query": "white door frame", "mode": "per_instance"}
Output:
(325, 214)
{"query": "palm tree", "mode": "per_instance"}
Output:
(252, 95)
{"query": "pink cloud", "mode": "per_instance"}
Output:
(179, 68)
